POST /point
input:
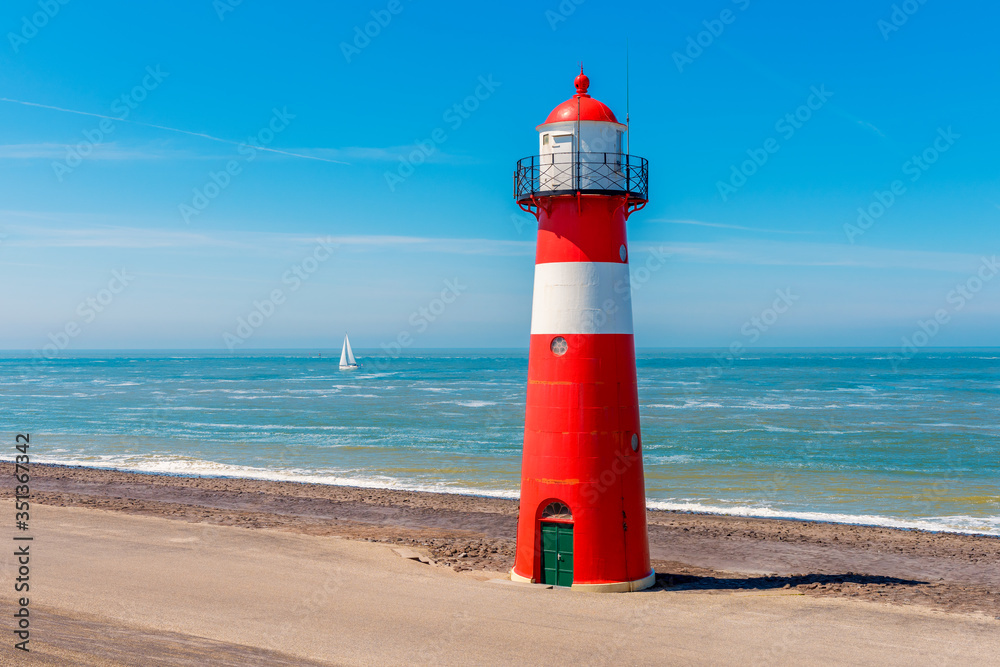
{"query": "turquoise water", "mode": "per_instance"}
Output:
(827, 435)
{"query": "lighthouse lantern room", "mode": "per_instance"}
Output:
(582, 517)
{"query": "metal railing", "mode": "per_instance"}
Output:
(586, 173)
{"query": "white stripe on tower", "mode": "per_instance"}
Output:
(581, 298)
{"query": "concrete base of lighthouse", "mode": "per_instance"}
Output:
(611, 587)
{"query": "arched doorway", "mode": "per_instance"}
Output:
(557, 544)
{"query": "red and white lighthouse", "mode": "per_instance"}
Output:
(582, 520)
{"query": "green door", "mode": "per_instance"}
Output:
(557, 554)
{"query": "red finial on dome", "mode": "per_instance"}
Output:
(582, 83)
(582, 106)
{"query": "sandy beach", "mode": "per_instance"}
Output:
(236, 571)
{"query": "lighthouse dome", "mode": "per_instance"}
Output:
(583, 104)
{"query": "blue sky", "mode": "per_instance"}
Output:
(201, 78)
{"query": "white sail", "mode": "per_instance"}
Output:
(350, 353)
(347, 355)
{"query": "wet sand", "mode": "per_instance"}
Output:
(708, 553)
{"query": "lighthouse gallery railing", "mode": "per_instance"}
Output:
(587, 173)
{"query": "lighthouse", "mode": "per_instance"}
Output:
(582, 517)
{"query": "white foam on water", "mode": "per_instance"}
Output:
(181, 466)
(184, 408)
(779, 429)
(186, 467)
(316, 391)
(276, 427)
(949, 425)
(687, 404)
(668, 458)
(945, 524)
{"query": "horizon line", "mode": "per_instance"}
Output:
(525, 347)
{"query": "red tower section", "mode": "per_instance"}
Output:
(582, 519)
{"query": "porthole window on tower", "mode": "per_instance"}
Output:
(559, 346)
(635, 442)
(557, 510)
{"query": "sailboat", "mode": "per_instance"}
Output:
(347, 361)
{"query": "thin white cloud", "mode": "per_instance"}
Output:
(105, 151)
(103, 236)
(719, 225)
(387, 154)
(456, 246)
(791, 85)
(333, 155)
(201, 135)
(791, 254)
(866, 124)
(53, 230)
(108, 237)
(117, 152)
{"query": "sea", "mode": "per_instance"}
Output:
(849, 436)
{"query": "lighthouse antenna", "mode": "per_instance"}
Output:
(628, 118)
(576, 144)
